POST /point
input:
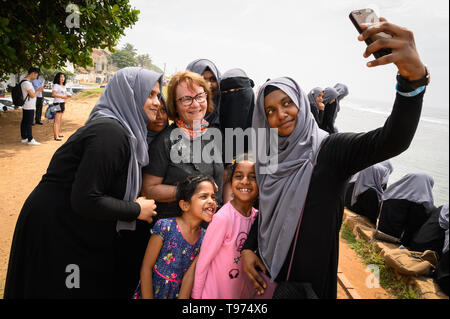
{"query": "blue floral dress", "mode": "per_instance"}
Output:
(174, 259)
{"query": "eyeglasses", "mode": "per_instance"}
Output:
(188, 100)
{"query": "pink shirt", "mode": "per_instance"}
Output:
(218, 274)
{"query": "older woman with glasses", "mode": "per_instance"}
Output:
(184, 148)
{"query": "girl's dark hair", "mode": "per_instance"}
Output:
(58, 76)
(269, 89)
(186, 189)
(240, 158)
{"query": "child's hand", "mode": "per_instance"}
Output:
(147, 209)
(249, 262)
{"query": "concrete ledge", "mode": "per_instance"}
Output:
(364, 229)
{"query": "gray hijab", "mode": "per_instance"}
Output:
(312, 96)
(373, 177)
(282, 194)
(417, 188)
(123, 100)
(443, 222)
(342, 89)
(234, 73)
(329, 94)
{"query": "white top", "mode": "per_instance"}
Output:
(59, 90)
(30, 103)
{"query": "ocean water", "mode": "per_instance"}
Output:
(428, 152)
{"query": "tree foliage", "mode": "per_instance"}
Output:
(48, 33)
(127, 56)
(124, 57)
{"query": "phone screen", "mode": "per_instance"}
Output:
(368, 16)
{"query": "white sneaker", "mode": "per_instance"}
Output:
(33, 142)
(25, 140)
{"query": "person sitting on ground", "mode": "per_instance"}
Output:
(368, 189)
(441, 274)
(433, 235)
(406, 205)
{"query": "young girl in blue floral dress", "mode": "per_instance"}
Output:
(175, 242)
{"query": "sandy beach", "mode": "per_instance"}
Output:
(22, 166)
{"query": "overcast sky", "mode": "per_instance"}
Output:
(312, 41)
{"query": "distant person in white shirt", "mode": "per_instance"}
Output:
(29, 106)
(59, 93)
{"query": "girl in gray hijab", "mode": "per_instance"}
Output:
(406, 206)
(368, 189)
(331, 108)
(342, 89)
(211, 74)
(302, 173)
(68, 225)
(316, 108)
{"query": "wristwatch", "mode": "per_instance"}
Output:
(404, 85)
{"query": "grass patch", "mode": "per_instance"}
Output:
(370, 256)
(86, 93)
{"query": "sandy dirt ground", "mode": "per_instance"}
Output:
(22, 166)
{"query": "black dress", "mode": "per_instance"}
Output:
(67, 226)
(367, 204)
(348, 195)
(401, 218)
(327, 122)
(161, 165)
(316, 255)
(431, 236)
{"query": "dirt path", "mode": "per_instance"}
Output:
(22, 166)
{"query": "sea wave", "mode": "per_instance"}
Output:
(428, 119)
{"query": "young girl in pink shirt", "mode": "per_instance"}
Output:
(218, 272)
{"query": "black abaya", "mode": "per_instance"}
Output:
(430, 236)
(70, 220)
(367, 205)
(401, 219)
(316, 255)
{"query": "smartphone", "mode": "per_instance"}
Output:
(370, 17)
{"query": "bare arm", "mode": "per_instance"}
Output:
(32, 94)
(153, 188)
(54, 95)
(151, 254)
(188, 281)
